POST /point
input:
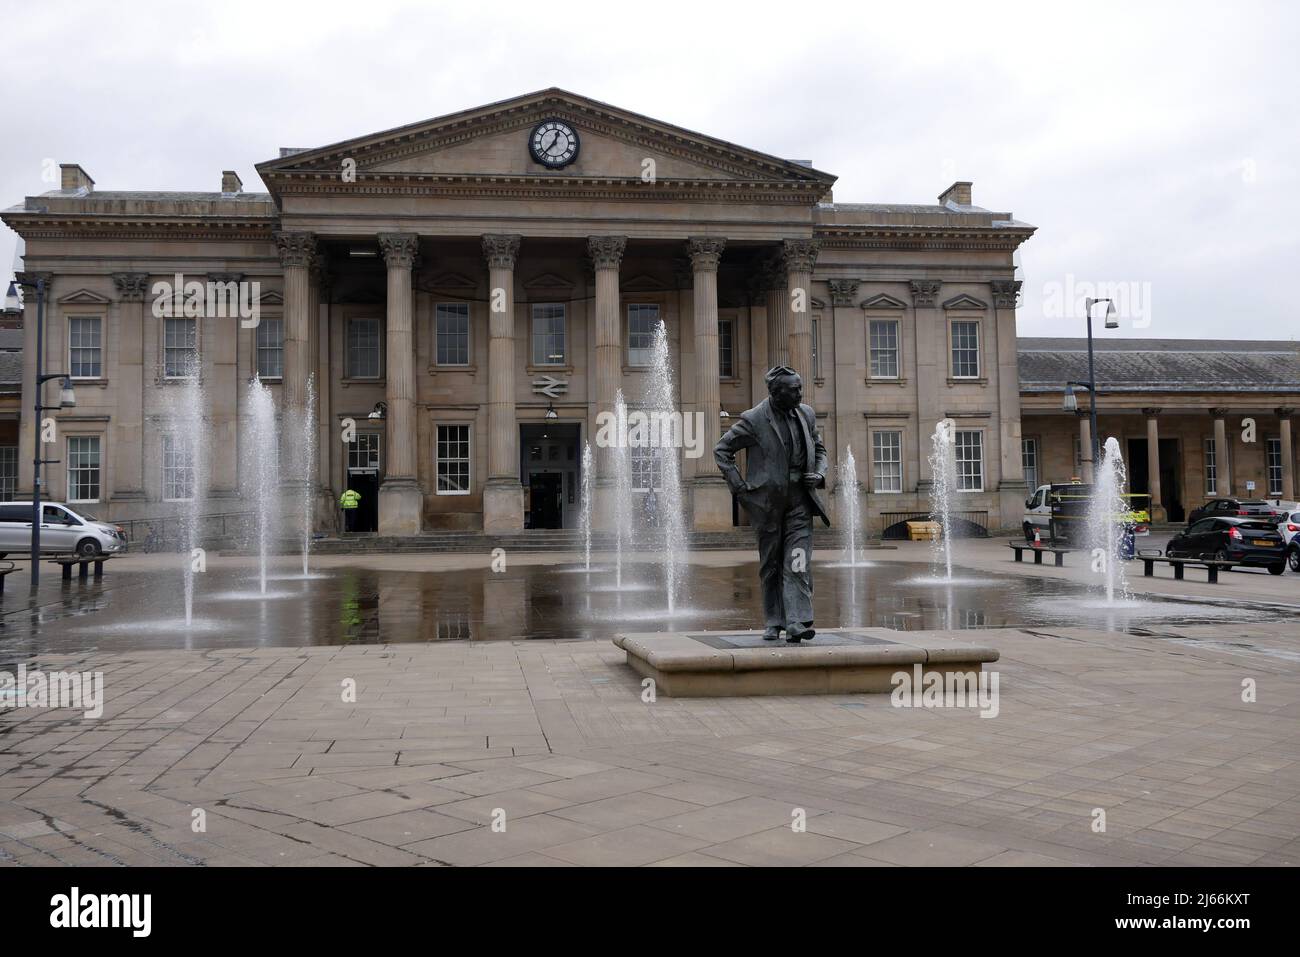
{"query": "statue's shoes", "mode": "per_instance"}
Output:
(797, 633)
(771, 634)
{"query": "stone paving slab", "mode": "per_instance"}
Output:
(447, 758)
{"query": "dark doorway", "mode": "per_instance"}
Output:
(546, 500)
(366, 484)
(550, 469)
(1139, 475)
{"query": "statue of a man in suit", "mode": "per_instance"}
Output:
(785, 463)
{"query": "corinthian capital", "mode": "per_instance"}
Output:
(705, 252)
(296, 249)
(28, 281)
(399, 249)
(925, 291)
(843, 291)
(1006, 293)
(606, 252)
(799, 255)
(131, 286)
(501, 250)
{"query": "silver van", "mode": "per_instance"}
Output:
(64, 531)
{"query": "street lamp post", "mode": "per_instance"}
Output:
(1071, 403)
(67, 399)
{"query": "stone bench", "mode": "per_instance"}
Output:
(6, 569)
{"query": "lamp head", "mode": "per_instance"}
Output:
(67, 398)
(1112, 320)
(1070, 403)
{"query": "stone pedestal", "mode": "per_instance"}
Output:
(712, 504)
(503, 505)
(710, 664)
(400, 506)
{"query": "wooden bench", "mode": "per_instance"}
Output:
(1211, 566)
(6, 568)
(83, 565)
(1021, 547)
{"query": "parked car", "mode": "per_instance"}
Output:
(1235, 538)
(1238, 507)
(1289, 529)
(63, 531)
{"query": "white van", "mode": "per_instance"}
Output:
(63, 531)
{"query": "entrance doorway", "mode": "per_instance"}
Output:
(1139, 476)
(550, 470)
(365, 482)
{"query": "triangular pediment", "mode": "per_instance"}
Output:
(548, 280)
(643, 283)
(491, 143)
(965, 302)
(452, 280)
(84, 297)
(883, 301)
(271, 298)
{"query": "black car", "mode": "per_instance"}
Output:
(1250, 541)
(1238, 507)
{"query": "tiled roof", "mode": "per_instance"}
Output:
(1161, 365)
(11, 368)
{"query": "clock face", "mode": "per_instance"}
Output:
(554, 144)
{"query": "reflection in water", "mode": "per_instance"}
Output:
(535, 601)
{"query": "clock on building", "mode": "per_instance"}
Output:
(553, 143)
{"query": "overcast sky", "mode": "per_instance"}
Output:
(1153, 145)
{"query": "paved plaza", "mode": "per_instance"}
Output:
(1132, 748)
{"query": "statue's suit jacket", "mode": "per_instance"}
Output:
(767, 468)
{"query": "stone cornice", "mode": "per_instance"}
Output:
(921, 237)
(41, 226)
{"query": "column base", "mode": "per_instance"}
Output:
(712, 504)
(503, 506)
(401, 506)
(603, 510)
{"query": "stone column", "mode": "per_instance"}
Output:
(1222, 466)
(297, 250)
(798, 257)
(1288, 455)
(503, 495)
(758, 348)
(712, 499)
(1011, 485)
(400, 501)
(606, 254)
(777, 301)
(28, 423)
(849, 353)
(1085, 448)
(1153, 465)
(930, 371)
(128, 422)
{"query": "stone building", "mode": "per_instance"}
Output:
(1196, 419)
(470, 292)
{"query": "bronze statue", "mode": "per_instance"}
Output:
(785, 463)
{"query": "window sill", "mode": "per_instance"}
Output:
(967, 380)
(96, 381)
(351, 382)
(436, 369)
(548, 370)
(884, 380)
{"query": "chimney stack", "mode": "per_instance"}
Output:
(958, 192)
(74, 177)
(230, 182)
